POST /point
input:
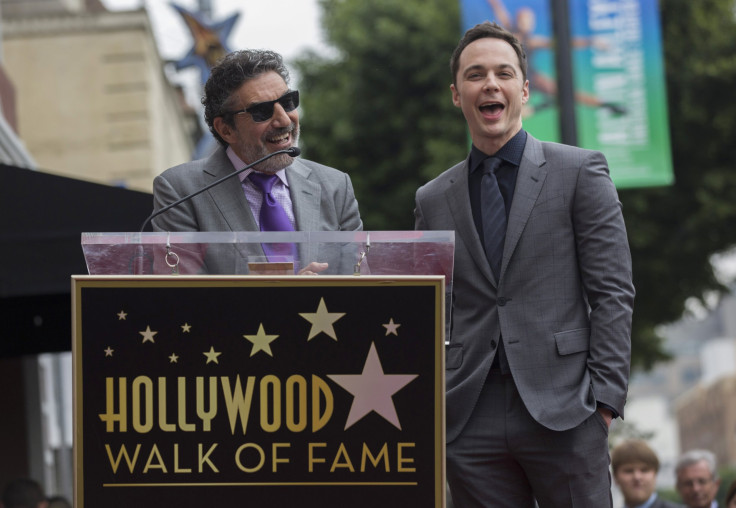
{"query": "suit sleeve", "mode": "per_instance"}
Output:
(605, 268)
(179, 218)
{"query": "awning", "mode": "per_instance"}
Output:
(42, 218)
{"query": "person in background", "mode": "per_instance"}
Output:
(59, 502)
(635, 467)
(23, 493)
(730, 499)
(697, 479)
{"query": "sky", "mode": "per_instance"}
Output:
(285, 26)
(288, 27)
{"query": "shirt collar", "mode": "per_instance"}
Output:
(238, 163)
(511, 152)
(648, 503)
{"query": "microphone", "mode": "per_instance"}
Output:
(293, 151)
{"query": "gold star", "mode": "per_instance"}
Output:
(148, 335)
(391, 327)
(186, 327)
(261, 341)
(173, 358)
(322, 320)
(108, 351)
(122, 315)
(211, 355)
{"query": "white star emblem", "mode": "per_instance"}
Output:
(372, 390)
(391, 327)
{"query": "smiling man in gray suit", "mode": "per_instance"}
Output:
(537, 359)
(251, 111)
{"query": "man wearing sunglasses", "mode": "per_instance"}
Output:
(252, 112)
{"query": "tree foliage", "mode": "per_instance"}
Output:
(675, 230)
(380, 109)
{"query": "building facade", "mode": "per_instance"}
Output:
(92, 98)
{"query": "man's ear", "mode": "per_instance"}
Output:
(226, 132)
(455, 96)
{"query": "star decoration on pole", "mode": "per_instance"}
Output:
(209, 41)
(148, 335)
(174, 358)
(211, 355)
(322, 321)
(122, 315)
(186, 327)
(372, 390)
(261, 341)
(391, 327)
(108, 351)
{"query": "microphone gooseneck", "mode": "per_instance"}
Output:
(292, 151)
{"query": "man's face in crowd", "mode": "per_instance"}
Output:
(637, 482)
(696, 485)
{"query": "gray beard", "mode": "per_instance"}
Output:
(275, 163)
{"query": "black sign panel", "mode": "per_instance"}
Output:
(274, 392)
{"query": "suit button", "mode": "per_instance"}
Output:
(501, 301)
(493, 344)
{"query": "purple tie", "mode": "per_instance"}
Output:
(273, 218)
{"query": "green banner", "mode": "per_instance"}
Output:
(620, 95)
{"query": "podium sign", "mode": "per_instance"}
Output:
(196, 391)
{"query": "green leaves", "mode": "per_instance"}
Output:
(381, 108)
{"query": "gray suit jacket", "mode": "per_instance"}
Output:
(322, 197)
(661, 503)
(564, 300)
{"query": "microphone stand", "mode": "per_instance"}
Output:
(293, 151)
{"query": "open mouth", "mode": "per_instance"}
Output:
(279, 139)
(492, 108)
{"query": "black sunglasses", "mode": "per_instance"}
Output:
(262, 111)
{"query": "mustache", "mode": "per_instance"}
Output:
(280, 131)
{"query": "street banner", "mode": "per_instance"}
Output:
(620, 94)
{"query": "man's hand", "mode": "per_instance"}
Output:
(607, 415)
(313, 268)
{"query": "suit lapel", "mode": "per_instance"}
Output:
(228, 196)
(459, 203)
(529, 182)
(305, 197)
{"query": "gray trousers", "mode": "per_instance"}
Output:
(505, 459)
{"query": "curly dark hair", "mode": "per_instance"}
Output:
(228, 75)
(481, 31)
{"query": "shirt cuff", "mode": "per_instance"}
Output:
(606, 406)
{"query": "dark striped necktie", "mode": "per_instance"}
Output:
(493, 214)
